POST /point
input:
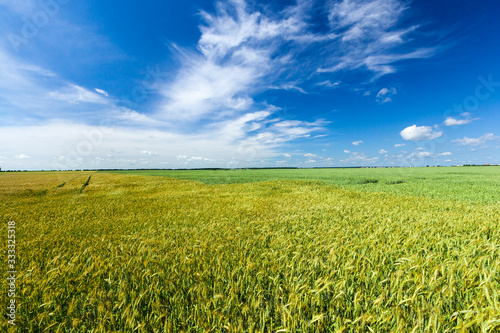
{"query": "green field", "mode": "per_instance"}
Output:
(460, 183)
(306, 250)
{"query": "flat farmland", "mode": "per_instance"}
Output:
(460, 183)
(296, 250)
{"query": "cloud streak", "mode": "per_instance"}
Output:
(450, 121)
(369, 34)
(476, 141)
(384, 95)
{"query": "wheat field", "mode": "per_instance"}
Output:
(104, 252)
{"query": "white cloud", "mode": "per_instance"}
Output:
(236, 59)
(150, 153)
(368, 32)
(477, 141)
(296, 128)
(450, 121)
(245, 140)
(421, 154)
(311, 161)
(357, 143)
(289, 86)
(102, 92)
(382, 151)
(309, 155)
(399, 145)
(133, 117)
(81, 145)
(419, 133)
(74, 94)
(238, 24)
(328, 84)
(205, 88)
(186, 158)
(426, 154)
(366, 18)
(22, 156)
(384, 95)
(360, 159)
(287, 155)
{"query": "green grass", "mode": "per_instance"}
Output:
(458, 183)
(128, 253)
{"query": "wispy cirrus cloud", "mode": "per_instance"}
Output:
(22, 157)
(101, 91)
(370, 36)
(384, 95)
(74, 94)
(466, 119)
(245, 49)
(38, 94)
(236, 56)
(426, 154)
(358, 158)
(328, 84)
(465, 141)
(32, 94)
(31, 84)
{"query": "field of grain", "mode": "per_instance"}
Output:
(458, 183)
(107, 252)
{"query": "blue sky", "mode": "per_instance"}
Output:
(241, 83)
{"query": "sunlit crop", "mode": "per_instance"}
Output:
(128, 253)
